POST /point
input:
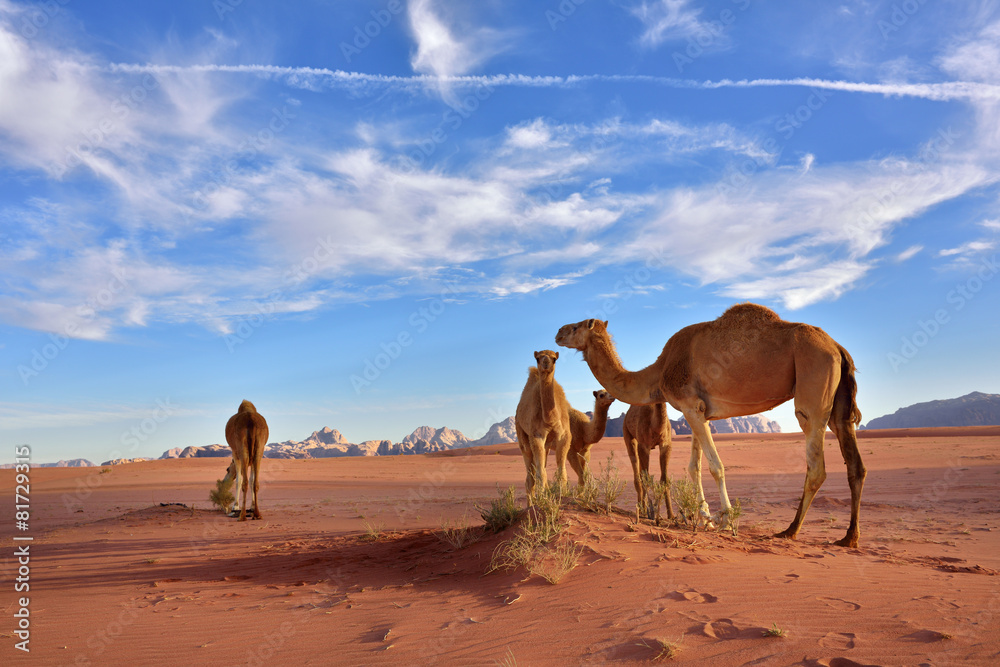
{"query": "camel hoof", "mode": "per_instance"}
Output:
(850, 541)
(787, 534)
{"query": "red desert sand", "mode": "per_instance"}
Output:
(347, 566)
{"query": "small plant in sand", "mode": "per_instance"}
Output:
(733, 515)
(665, 648)
(105, 471)
(460, 534)
(598, 494)
(554, 564)
(656, 494)
(222, 497)
(508, 660)
(373, 531)
(774, 631)
(686, 500)
(502, 512)
(539, 527)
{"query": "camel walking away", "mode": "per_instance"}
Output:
(647, 427)
(542, 422)
(746, 361)
(586, 432)
(246, 433)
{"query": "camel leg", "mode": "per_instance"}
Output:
(701, 434)
(236, 488)
(256, 487)
(244, 483)
(578, 462)
(537, 447)
(640, 492)
(562, 453)
(815, 431)
(855, 477)
(664, 460)
(643, 455)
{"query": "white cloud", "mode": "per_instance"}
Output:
(671, 20)
(445, 51)
(909, 253)
(969, 248)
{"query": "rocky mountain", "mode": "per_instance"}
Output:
(71, 463)
(975, 409)
(116, 462)
(749, 424)
(444, 437)
(196, 452)
(498, 434)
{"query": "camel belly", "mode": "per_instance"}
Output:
(745, 384)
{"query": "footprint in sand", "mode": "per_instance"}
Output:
(723, 628)
(788, 578)
(691, 596)
(839, 604)
(838, 640)
(938, 603)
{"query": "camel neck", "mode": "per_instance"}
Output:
(636, 388)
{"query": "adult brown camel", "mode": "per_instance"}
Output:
(645, 428)
(246, 433)
(746, 361)
(586, 432)
(542, 422)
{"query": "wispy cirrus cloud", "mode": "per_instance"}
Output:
(669, 20)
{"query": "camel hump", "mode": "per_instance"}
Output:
(749, 312)
(246, 406)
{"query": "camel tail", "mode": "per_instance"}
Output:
(845, 405)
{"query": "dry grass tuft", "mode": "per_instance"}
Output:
(502, 512)
(222, 497)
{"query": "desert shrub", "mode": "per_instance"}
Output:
(685, 496)
(222, 496)
(656, 495)
(600, 492)
(502, 512)
(733, 515)
(540, 526)
(460, 534)
(554, 564)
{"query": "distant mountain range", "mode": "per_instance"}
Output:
(72, 463)
(975, 409)
(749, 424)
(329, 442)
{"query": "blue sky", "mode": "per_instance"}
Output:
(202, 202)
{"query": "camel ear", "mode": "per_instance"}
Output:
(536, 356)
(605, 324)
(596, 393)
(591, 322)
(557, 356)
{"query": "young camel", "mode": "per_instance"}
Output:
(748, 360)
(246, 433)
(542, 422)
(647, 427)
(585, 432)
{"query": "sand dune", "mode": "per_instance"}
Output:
(118, 578)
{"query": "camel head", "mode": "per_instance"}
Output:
(546, 360)
(603, 398)
(577, 336)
